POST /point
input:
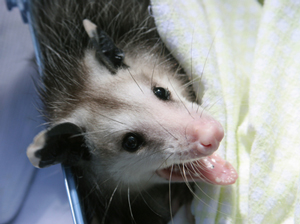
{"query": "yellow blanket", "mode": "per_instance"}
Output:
(247, 57)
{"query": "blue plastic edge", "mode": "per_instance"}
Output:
(78, 217)
(74, 201)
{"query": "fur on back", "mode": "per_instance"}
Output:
(64, 42)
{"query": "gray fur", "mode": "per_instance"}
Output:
(78, 89)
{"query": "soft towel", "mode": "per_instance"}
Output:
(247, 58)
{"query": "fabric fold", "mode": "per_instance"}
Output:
(244, 59)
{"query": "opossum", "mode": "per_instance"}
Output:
(121, 112)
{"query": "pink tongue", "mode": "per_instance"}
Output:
(213, 169)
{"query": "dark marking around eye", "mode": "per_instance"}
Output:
(132, 142)
(162, 93)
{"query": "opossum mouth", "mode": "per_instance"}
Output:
(212, 169)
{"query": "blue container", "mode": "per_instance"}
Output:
(77, 214)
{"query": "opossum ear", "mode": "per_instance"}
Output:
(106, 51)
(63, 143)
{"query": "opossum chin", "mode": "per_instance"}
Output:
(212, 169)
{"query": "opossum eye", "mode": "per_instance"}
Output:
(162, 93)
(132, 142)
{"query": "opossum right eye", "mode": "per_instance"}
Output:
(132, 142)
(162, 93)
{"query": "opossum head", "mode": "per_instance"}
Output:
(134, 125)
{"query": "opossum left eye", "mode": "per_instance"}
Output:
(132, 142)
(162, 93)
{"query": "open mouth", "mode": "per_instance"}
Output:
(212, 169)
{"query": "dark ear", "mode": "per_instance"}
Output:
(107, 52)
(63, 143)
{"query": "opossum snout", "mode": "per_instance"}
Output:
(204, 135)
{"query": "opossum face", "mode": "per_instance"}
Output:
(134, 125)
(141, 129)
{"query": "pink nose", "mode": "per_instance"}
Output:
(205, 134)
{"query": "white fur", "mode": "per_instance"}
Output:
(161, 121)
(37, 144)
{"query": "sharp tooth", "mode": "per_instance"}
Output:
(218, 180)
